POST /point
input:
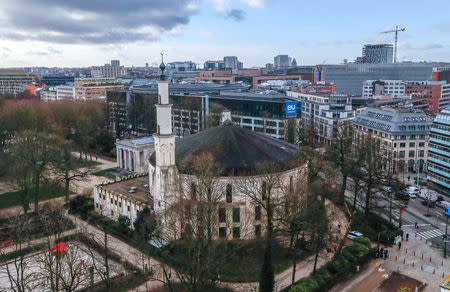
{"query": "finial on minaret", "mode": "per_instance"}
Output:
(162, 67)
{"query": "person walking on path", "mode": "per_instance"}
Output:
(407, 236)
(385, 254)
(399, 244)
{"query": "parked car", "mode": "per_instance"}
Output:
(384, 181)
(428, 203)
(412, 191)
(428, 195)
(354, 234)
(443, 204)
(403, 196)
(387, 189)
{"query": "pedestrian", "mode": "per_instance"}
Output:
(335, 247)
(399, 244)
(415, 225)
(385, 253)
(407, 236)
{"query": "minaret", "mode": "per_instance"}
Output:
(164, 142)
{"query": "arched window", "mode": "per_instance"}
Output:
(229, 193)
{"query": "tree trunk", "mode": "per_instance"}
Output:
(66, 185)
(356, 190)
(267, 280)
(294, 259)
(343, 189)
(36, 193)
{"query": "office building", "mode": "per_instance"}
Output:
(182, 66)
(439, 153)
(349, 78)
(323, 111)
(404, 132)
(231, 63)
(282, 62)
(435, 93)
(214, 65)
(379, 88)
(14, 81)
(380, 53)
(51, 80)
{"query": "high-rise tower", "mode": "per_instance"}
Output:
(164, 143)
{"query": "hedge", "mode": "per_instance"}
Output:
(337, 269)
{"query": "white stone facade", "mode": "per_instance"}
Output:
(133, 154)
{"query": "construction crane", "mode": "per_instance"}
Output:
(396, 30)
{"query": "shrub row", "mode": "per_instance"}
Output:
(337, 269)
(378, 229)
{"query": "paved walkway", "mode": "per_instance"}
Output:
(415, 259)
(126, 252)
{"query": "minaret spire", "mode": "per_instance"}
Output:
(162, 77)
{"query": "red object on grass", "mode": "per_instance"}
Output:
(59, 247)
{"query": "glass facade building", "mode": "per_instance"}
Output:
(382, 53)
(349, 78)
(439, 152)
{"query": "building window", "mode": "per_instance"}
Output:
(257, 213)
(412, 137)
(263, 190)
(96, 205)
(421, 153)
(412, 144)
(128, 207)
(258, 230)
(222, 232)
(111, 200)
(120, 204)
(236, 215)
(422, 144)
(229, 193)
(402, 145)
(193, 191)
(236, 232)
(222, 214)
(115, 202)
(401, 154)
(411, 153)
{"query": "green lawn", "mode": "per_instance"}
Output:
(103, 171)
(11, 199)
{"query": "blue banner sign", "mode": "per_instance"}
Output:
(291, 109)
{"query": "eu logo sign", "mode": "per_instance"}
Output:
(291, 109)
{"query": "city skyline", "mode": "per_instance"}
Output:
(86, 33)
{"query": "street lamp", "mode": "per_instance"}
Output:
(447, 213)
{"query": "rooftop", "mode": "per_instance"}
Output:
(122, 187)
(144, 141)
(237, 151)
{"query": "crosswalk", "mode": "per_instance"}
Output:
(430, 234)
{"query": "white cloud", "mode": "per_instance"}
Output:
(259, 4)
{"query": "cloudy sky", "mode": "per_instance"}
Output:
(91, 32)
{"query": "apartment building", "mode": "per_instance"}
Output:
(95, 88)
(65, 91)
(404, 132)
(14, 81)
(323, 111)
(108, 70)
(435, 93)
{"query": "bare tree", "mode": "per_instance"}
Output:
(17, 270)
(37, 152)
(340, 153)
(264, 190)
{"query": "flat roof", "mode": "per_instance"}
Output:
(142, 194)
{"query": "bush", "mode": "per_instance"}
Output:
(337, 269)
(81, 205)
(378, 230)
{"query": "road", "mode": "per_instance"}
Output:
(430, 228)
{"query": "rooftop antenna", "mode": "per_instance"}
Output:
(396, 30)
